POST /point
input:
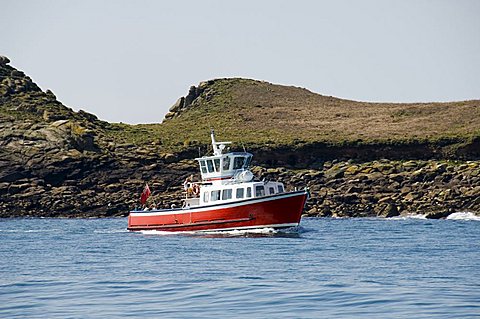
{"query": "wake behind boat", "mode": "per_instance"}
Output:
(227, 198)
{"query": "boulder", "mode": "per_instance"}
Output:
(169, 115)
(50, 94)
(4, 60)
(352, 170)
(17, 74)
(439, 214)
(391, 211)
(191, 96)
(169, 158)
(178, 105)
(335, 172)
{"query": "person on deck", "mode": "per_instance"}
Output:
(187, 185)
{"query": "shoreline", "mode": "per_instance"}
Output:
(380, 188)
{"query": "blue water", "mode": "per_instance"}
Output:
(330, 268)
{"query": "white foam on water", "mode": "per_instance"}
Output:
(463, 216)
(409, 216)
(111, 231)
(50, 230)
(162, 232)
(240, 232)
(233, 232)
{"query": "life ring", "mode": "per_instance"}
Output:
(196, 189)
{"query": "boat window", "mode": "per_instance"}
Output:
(247, 163)
(205, 197)
(203, 167)
(227, 194)
(280, 189)
(259, 191)
(240, 192)
(210, 166)
(238, 162)
(226, 163)
(215, 195)
(217, 164)
(271, 190)
(249, 192)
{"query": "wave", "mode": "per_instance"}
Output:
(49, 230)
(409, 216)
(235, 232)
(163, 233)
(111, 231)
(463, 216)
(260, 232)
(239, 232)
(453, 216)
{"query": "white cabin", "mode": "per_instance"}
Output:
(215, 194)
(226, 178)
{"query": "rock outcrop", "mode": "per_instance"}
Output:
(194, 97)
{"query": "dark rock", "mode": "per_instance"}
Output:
(11, 176)
(169, 158)
(88, 116)
(439, 214)
(4, 60)
(50, 94)
(85, 142)
(179, 104)
(391, 211)
(191, 96)
(17, 73)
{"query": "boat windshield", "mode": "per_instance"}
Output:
(238, 162)
(203, 167)
(247, 163)
(217, 164)
(226, 163)
(210, 166)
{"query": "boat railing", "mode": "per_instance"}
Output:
(190, 202)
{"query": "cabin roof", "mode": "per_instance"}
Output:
(223, 155)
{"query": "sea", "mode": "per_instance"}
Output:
(408, 267)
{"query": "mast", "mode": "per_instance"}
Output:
(218, 147)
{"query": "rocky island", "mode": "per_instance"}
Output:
(357, 158)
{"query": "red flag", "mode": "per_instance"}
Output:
(145, 194)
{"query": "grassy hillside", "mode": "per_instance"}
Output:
(259, 113)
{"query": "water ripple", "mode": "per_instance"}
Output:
(332, 268)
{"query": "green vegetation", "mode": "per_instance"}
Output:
(258, 113)
(255, 114)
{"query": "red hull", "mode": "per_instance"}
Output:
(276, 211)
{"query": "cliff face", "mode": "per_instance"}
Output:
(57, 162)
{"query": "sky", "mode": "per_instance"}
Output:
(129, 61)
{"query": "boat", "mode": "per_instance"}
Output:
(228, 197)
